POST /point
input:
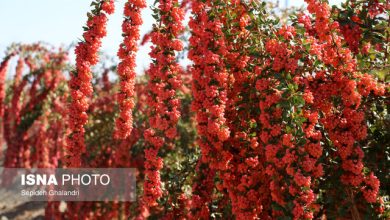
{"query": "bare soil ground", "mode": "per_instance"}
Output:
(22, 211)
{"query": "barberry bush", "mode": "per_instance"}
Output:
(271, 117)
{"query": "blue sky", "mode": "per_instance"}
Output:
(60, 22)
